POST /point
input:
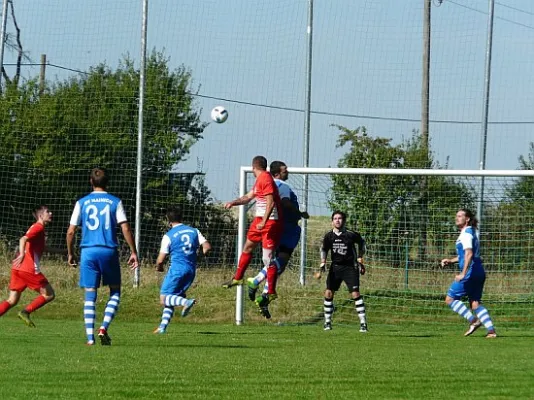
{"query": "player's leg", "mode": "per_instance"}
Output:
(46, 295)
(281, 260)
(475, 287)
(351, 276)
(16, 287)
(174, 288)
(12, 300)
(111, 276)
(333, 283)
(288, 242)
(90, 277)
(454, 294)
(270, 240)
(167, 314)
(253, 238)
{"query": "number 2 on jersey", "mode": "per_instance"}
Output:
(93, 221)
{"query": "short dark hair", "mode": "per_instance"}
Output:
(338, 212)
(99, 178)
(276, 166)
(38, 209)
(174, 214)
(260, 162)
(472, 219)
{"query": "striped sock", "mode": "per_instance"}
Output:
(459, 308)
(328, 307)
(168, 312)
(4, 306)
(111, 307)
(173, 300)
(261, 276)
(484, 317)
(360, 309)
(89, 308)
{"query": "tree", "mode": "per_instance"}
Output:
(50, 141)
(391, 209)
(507, 223)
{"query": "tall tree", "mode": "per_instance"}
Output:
(50, 141)
(390, 209)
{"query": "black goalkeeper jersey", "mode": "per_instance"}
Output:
(345, 247)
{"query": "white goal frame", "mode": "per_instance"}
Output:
(244, 170)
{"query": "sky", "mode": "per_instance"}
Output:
(367, 65)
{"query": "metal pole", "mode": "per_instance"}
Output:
(42, 74)
(138, 190)
(307, 115)
(242, 227)
(3, 39)
(485, 110)
(425, 90)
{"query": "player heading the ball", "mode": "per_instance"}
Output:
(266, 228)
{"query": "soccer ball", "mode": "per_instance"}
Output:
(219, 114)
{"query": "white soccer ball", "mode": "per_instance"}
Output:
(219, 114)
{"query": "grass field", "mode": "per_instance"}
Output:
(414, 350)
(220, 361)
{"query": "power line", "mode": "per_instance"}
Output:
(316, 112)
(347, 115)
(485, 13)
(515, 8)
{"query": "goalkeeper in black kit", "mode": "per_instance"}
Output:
(347, 249)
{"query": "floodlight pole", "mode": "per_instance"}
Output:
(306, 156)
(139, 181)
(485, 109)
(3, 39)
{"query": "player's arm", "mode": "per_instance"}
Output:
(22, 251)
(164, 250)
(468, 257)
(360, 242)
(240, 200)
(71, 234)
(206, 246)
(269, 207)
(323, 251)
(447, 261)
(159, 261)
(288, 205)
(133, 261)
(75, 221)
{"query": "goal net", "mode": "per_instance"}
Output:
(407, 217)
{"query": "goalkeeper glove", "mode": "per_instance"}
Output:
(362, 268)
(323, 267)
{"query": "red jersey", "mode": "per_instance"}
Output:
(34, 249)
(263, 186)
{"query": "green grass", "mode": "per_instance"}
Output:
(414, 350)
(261, 361)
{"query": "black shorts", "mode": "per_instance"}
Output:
(341, 273)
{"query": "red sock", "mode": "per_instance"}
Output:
(242, 266)
(37, 303)
(272, 275)
(4, 306)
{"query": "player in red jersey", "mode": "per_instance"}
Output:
(26, 270)
(266, 228)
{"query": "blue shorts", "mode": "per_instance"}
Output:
(99, 264)
(472, 288)
(177, 283)
(290, 237)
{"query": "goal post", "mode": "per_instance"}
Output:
(406, 237)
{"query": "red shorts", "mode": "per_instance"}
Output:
(20, 280)
(269, 236)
